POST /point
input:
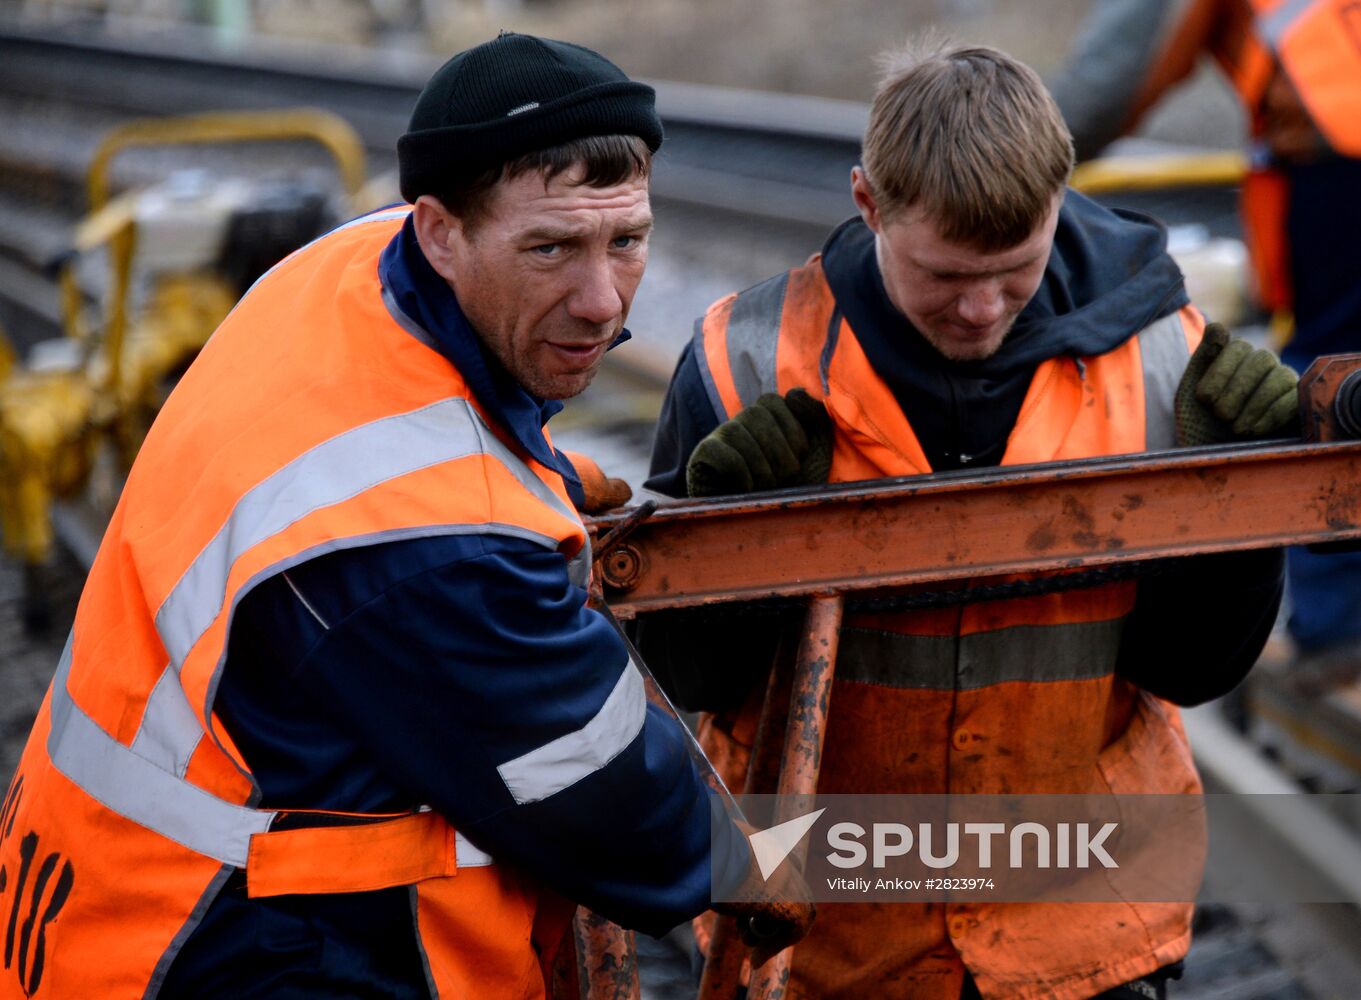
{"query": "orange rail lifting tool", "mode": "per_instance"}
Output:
(873, 538)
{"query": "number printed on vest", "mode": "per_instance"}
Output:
(29, 900)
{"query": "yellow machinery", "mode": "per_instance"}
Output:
(1157, 173)
(168, 286)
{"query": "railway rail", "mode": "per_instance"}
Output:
(740, 160)
(768, 157)
(735, 159)
(771, 155)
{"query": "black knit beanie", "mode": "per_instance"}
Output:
(512, 96)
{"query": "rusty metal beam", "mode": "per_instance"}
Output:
(726, 954)
(802, 757)
(826, 542)
(896, 532)
(607, 960)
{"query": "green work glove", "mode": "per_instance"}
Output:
(1234, 392)
(773, 443)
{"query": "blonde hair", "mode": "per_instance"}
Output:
(969, 136)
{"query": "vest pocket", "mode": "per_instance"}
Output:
(1151, 756)
(1161, 842)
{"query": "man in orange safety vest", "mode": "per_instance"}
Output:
(334, 718)
(976, 313)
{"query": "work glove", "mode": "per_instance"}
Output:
(1233, 392)
(772, 914)
(773, 443)
(601, 492)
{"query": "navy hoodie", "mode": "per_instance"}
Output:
(1108, 276)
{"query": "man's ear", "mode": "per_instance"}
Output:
(437, 230)
(863, 196)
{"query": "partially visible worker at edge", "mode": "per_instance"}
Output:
(334, 719)
(976, 313)
(1296, 68)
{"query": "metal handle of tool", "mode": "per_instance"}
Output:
(658, 697)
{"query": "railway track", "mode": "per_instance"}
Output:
(738, 167)
(765, 159)
(757, 179)
(762, 155)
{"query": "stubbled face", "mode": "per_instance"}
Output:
(547, 275)
(962, 300)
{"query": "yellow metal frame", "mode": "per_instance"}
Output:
(110, 221)
(53, 420)
(7, 355)
(1149, 173)
(220, 127)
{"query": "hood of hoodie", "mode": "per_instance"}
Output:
(1109, 275)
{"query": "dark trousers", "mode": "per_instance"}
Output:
(1151, 987)
(1322, 228)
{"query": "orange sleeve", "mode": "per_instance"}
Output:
(1194, 34)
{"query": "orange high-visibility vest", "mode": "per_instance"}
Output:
(315, 419)
(1227, 30)
(1318, 45)
(1001, 697)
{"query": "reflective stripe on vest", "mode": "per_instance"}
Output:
(543, 772)
(750, 338)
(139, 790)
(743, 348)
(706, 376)
(1163, 353)
(753, 336)
(1070, 652)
